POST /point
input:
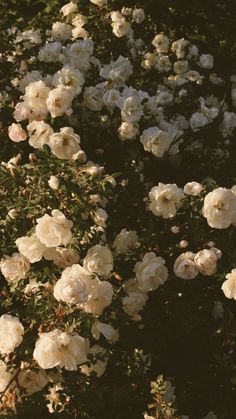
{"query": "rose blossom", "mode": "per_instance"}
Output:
(35, 96)
(151, 272)
(39, 133)
(193, 188)
(74, 286)
(16, 133)
(120, 26)
(106, 330)
(138, 15)
(14, 267)
(62, 257)
(54, 230)
(59, 101)
(53, 182)
(58, 348)
(69, 77)
(133, 303)
(100, 217)
(206, 61)
(100, 298)
(219, 208)
(125, 241)
(185, 266)
(206, 261)
(11, 332)
(165, 199)
(99, 260)
(155, 141)
(31, 247)
(128, 131)
(68, 8)
(161, 43)
(229, 286)
(61, 31)
(65, 144)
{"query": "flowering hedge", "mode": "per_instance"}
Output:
(116, 220)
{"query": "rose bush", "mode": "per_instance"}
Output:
(117, 213)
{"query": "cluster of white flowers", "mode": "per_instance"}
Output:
(150, 273)
(189, 264)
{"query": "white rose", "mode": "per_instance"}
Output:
(163, 63)
(5, 376)
(131, 108)
(151, 272)
(61, 31)
(31, 247)
(22, 111)
(198, 120)
(35, 96)
(54, 182)
(155, 141)
(59, 101)
(219, 208)
(93, 98)
(133, 303)
(69, 77)
(32, 381)
(11, 332)
(79, 32)
(60, 349)
(54, 230)
(68, 8)
(164, 98)
(128, 131)
(100, 217)
(100, 298)
(110, 334)
(161, 43)
(111, 97)
(178, 47)
(165, 199)
(99, 260)
(62, 258)
(74, 286)
(79, 54)
(14, 267)
(125, 241)
(50, 52)
(185, 267)
(206, 61)
(65, 144)
(180, 67)
(206, 261)
(193, 188)
(138, 15)
(80, 20)
(229, 286)
(16, 133)
(118, 71)
(121, 27)
(39, 133)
